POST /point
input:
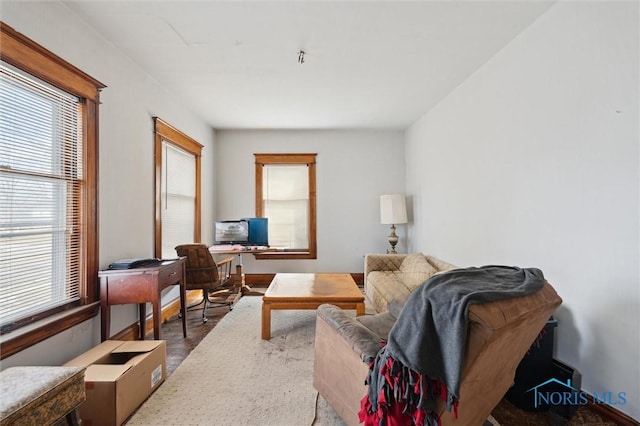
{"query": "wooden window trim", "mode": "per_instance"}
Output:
(27, 55)
(30, 57)
(165, 131)
(289, 158)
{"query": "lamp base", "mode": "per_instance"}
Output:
(393, 240)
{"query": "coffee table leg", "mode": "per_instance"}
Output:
(266, 320)
(360, 309)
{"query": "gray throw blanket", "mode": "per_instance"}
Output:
(422, 360)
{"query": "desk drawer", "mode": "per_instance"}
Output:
(137, 287)
(170, 275)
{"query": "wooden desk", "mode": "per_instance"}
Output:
(142, 285)
(242, 288)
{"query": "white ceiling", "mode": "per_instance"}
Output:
(367, 64)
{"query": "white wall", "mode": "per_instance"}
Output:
(534, 161)
(354, 167)
(126, 178)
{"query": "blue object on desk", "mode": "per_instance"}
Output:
(258, 231)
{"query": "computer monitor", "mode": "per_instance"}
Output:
(231, 232)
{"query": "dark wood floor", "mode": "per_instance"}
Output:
(178, 347)
(507, 414)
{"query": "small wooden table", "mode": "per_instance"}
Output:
(142, 285)
(308, 291)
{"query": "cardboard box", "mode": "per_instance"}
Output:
(119, 376)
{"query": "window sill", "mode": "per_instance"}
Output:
(280, 255)
(24, 337)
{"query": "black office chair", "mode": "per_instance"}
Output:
(204, 273)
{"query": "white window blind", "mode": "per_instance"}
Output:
(178, 198)
(41, 184)
(286, 204)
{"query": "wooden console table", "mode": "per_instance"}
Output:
(142, 285)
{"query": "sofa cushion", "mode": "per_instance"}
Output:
(397, 303)
(415, 270)
(384, 286)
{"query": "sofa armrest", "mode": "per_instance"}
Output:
(440, 265)
(339, 373)
(361, 340)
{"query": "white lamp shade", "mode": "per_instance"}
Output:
(393, 209)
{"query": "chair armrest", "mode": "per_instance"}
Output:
(224, 268)
(224, 262)
(362, 340)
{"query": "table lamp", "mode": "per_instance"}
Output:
(393, 210)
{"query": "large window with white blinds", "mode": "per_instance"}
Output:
(41, 186)
(285, 198)
(178, 198)
(177, 160)
(286, 195)
(48, 193)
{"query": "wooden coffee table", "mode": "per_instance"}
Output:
(308, 291)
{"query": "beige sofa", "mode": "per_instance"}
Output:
(499, 335)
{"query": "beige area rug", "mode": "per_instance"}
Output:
(233, 377)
